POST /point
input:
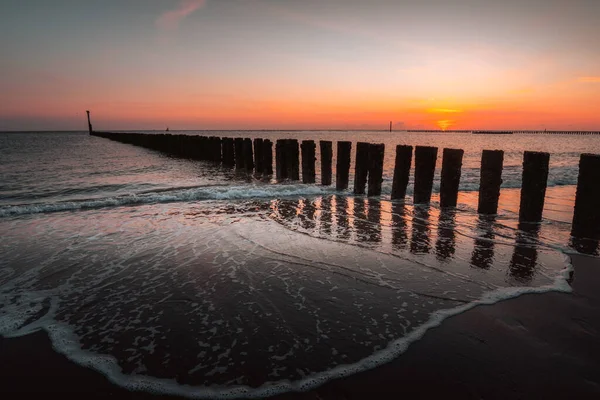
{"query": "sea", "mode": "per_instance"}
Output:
(183, 277)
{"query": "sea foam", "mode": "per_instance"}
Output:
(172, 196)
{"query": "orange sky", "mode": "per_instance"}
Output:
(266, 64)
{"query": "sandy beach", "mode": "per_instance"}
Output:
(533, 346)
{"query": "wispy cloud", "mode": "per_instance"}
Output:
(171, 19)
(589, 79)
(443, 111)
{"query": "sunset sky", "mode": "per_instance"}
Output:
(300, 64)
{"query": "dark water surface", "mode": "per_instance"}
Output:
(184, 277)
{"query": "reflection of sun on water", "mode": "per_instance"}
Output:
(445, 124)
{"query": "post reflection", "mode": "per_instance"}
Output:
(445, 246)
(308, 217)
(361, 225)
(522, 264)
(327, 210)
(342, 210)
(483, 251)
(421, 232)
(399, 234)
(373, 232)
(367, 220)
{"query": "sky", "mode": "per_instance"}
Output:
(300, 64)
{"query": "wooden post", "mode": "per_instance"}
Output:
(267, 154)
(248, 158)
(425, 158)
(376, 155)
(401, 171)
(194, 147)
(280, 167)
(450, 179)
(490, 181)
(258, 156)
(586, 219)
(218, 157)
(239, 153)
(228, 152)
(342, 170)
(308, 161)
(292, 161)
(533, 187)
(361, 167)
(326, 156)
(90, 130)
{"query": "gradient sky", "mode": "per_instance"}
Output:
(300, 64)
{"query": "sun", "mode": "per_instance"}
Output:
(444, 124)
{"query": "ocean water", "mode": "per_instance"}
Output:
(184, 277)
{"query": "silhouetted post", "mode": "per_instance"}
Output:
(586, 220)
(248, 158)
(425, 158)
(218, 157)
(308, 161)
(196, 147)
(267, 154)
(228, 152)
(390, 126)
(533, 189)
(342, 169)
(89, 122)
(450, 179)
(258, 156)
(401, 171)
(292, 159)
(361, 167)
(490, 181)
(376, 154)
(239, 153)
(280, 167)
(326, 148)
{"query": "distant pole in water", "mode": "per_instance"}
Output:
(89, 122)
(390, 126)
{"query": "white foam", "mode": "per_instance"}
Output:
(65, 342)
(178, 195)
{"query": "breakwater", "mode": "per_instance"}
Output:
(296, 160)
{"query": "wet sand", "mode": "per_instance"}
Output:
(534, 346)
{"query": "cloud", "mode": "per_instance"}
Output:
(589, 79)
(443, 111)
(171, 19)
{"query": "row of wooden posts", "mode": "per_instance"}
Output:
(257, 156)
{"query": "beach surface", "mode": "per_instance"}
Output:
(533, 346)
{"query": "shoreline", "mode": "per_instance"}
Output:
(535, 345)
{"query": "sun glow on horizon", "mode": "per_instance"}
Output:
(301, 65)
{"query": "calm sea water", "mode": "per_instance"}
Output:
(184, 277)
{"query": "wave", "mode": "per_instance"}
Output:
(171, 196)
(66, 342)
